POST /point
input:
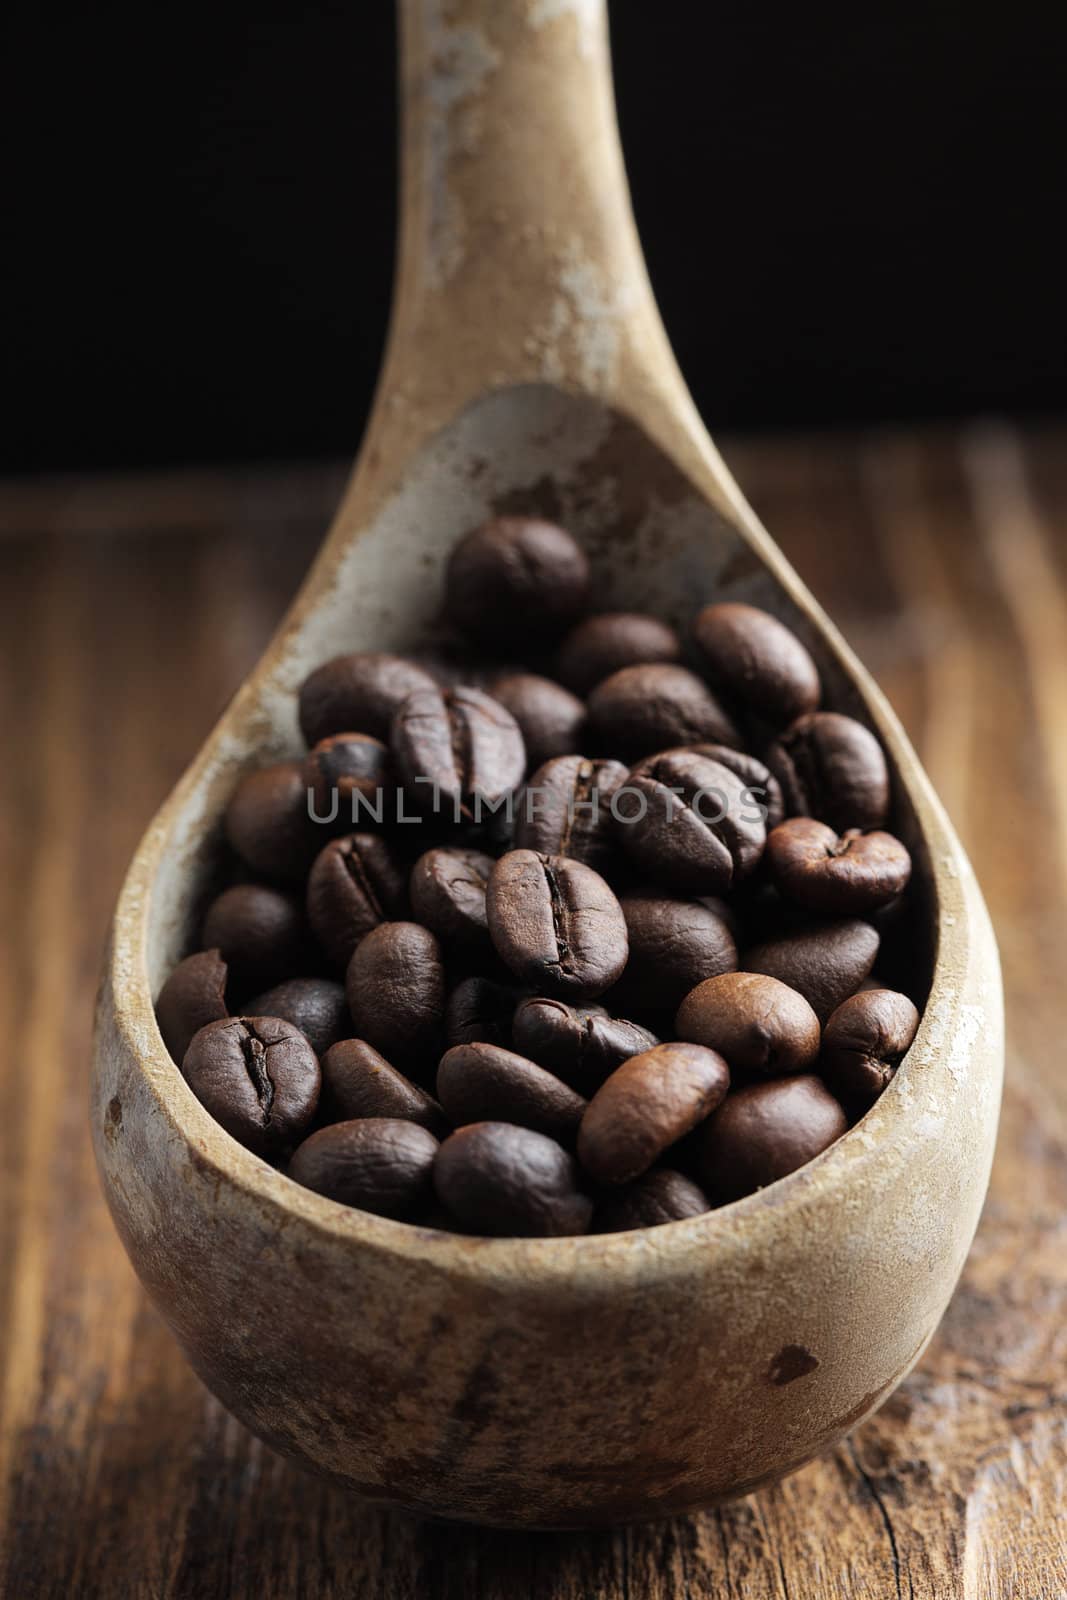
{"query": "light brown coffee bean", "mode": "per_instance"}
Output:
(864, 1042)
(648, 1104)
(759, 1025)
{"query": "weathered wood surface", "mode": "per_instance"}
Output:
(128, 612)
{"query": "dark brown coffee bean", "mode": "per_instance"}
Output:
(556, 924)
(765, 1131)
(355, 884)
(673, 945)
(759, 1025)
(316, 1006)
(550, 718)
(845, 875)
(832, 768)
(358, 1082)
(647, 1104)
(358, 693)
(655, 1198)
(640, 710)
(261, 934)
(268, 824)
(762, 786)
(689, 823)
(382, 1164)
(396, 994)
(756, 662)
(565, 809)
(516, 579)
(482, 1083)
(479, 1011)
(604, 644)
(193, 996)
(580, 1044)
(458, 752)
(258, 1077)
(864, 1042)
(824, 961)
(350, 779)
(447, 892)
(512, 1182)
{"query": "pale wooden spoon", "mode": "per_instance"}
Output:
(571, 1381)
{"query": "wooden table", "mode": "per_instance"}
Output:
(129, 612)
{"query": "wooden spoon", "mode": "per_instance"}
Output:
(564, 1381)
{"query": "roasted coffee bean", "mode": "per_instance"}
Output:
(763, 1132)
(358, 693)
(606, 643)
(656, 1197)
(756, 662)
(479, 1011)
(512, 1182)
(580, 1044)
(550, 718)
(193, 995)
(458, 753)
(268, 824)
(482, 1083)
(566, 809)
(381, 1164)
(689, 823)
(447, 892)
(824, 961)
(261, 934)
(516, 579)
(642, 709)
(317, 1006)
(350, 779)
(759, 1025)
(761, 784)
(648, 1104)
(258, 1077)
(832, 768)
(844, 875)
(355, 884)
(864, 1042)
(673, 945)
(556, 924)
(358, 1082)
(396, 994)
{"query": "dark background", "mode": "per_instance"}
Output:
(849, 217)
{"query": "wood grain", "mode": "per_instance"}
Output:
(945, 558)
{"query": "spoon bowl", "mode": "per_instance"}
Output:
(524, 1382)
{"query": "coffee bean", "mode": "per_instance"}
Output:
(550, 718)
(193, 995)
(355, 884)
(516, 579)
(458, 752)
(566, 809)
(765, 1131)
(648, 1104)
(762, 786)
(261, 934)
(643, 709)
(655, 1198)
(824, 961)
(756, 663)
(512, 1182)
(556, 924)
(258, 1077)
(350, 779)
(689, 823)
(483, 1083)
(358, 693)
(381, 1164)
(358, 1082)
(606, 643)
(479, 1011)
(846, 875)
(268, 825)
(396, 994)
(580, 1044)
(832, 768)
(447, 891)
(673, 945)
(316, 1006)
(759, 1025)
(864, 1042)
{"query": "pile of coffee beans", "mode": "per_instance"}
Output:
(580, 939)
